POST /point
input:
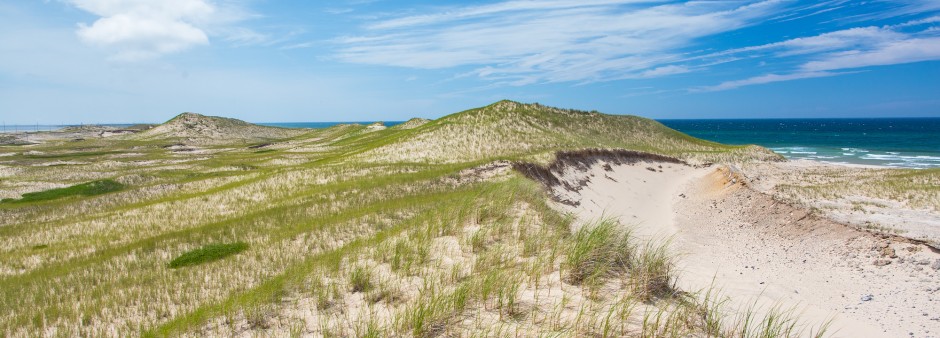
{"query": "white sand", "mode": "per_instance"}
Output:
(760, 250)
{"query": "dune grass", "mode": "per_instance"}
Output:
(352, 234)
(599, 251)
(206, 254)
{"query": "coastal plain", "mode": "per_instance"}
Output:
(506, 220)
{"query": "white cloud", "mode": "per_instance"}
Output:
(523, 42)
(144, 29)
(141, 29)
(762, 79)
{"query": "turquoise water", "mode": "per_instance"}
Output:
(902, 142)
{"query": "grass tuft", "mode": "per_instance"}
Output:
(360, 280)
(597, 252)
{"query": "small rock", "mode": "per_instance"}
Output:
(881, 262)
(888, 252)
(935, 265)
(867, 298)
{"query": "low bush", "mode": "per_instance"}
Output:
(84, 189)
(208, 253)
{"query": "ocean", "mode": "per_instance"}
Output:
(892, 142)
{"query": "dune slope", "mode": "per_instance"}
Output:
(763, 251)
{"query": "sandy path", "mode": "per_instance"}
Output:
(759, 250)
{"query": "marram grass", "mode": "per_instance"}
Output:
(354, 232)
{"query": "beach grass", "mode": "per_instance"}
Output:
(344, 231)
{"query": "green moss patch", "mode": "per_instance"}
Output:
(208, 253)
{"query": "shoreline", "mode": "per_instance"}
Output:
(876, 159)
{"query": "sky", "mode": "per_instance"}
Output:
(129, 61)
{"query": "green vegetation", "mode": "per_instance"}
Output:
(208, 253)
(84, 189)
(918, 188)
(535, 132)
(360, 280)
(599, 251)
(354, 231)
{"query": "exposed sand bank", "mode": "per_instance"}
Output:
(759, 249)
(863, 203)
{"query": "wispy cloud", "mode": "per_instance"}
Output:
(497, 9)
(541, 41)
(762, 79)
(523, 42)
(892, 53)
(849, 49)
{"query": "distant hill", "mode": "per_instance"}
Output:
(412, 123)
(512, 129)
(201, 129)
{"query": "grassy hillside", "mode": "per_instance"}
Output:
(199, 129)
(509, 129)
(345, 231)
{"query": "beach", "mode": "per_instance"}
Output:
(733, 234)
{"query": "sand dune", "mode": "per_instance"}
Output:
(761, 251)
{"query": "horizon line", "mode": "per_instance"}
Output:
(401, 121)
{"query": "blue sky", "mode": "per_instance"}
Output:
(95, 61)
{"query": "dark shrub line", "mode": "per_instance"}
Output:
(208, 253)
(84, 189)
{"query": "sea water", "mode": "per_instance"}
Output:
(897, 142)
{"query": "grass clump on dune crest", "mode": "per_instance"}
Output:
(208, 253)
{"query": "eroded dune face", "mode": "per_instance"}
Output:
(759, 250)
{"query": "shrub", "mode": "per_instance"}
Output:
(208, 253)
(84, 189)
